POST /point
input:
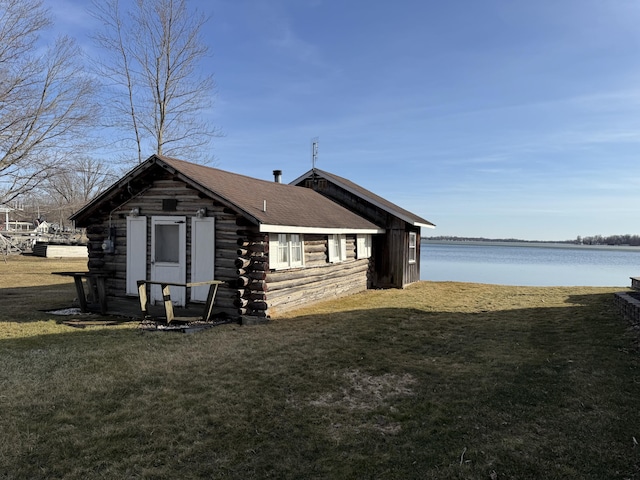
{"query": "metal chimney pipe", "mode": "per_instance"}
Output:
(277, 176)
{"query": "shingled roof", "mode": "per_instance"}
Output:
(275, 207)
(368, 196)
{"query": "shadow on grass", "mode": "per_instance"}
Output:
(33, 304)
(27, 304)
(544, 392)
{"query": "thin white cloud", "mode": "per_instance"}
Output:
(277, 26)
(70, 14)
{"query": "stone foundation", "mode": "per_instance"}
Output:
(628, 304)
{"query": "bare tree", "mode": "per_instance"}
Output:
(76, 183)
(80, 180)
(46, 100)
(157, 93)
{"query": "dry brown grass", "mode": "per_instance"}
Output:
(440, 380)
(29, 290)
(455, 297)
(31, 271)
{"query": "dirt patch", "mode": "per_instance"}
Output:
(365, 393)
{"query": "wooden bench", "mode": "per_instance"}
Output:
(166, 296)
(96, 284)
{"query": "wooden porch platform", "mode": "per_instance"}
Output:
(92, 298)
(129, 307)
(188, 320)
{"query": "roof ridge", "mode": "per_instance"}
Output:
(222, 171)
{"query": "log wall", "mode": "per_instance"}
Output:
(151, 204)
(263, 292)
(251, 263)
(318, 279)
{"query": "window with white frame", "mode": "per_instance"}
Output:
(283, 250)
(413, 247)
(337, 248)
(286, 251)
(363, 246)
(295, 248)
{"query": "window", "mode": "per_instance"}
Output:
(283, 250)
(167, 243)
(363, 246)
(286, 251)
(295, 245)
(316, 183)
(169, 204)
(337, 248)
(413, 247)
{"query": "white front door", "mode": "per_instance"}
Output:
(168, 257)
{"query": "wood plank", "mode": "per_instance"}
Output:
(168, 304)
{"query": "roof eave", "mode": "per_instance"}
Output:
(138, 170)
(300, 178)
(86, 210)
(426, 225)
(267, 228)
(373, 201)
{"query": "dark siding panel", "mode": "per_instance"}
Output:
(391, 250)
(412, 271)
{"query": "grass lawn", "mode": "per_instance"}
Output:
(437, 381)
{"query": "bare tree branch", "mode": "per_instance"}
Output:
(115, 68)
(46, 100)
(76, 183)
(153, 51)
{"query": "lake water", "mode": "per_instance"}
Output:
(529, 264)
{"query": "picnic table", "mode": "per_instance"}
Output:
(166, 296)
(96, 284)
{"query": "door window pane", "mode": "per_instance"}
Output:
(167, 243)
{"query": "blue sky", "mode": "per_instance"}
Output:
(497, 118)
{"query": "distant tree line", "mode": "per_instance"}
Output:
(632, 240)
(448, 238)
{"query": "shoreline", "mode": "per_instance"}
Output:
(532, 243)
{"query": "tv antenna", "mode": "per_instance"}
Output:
(314, 152)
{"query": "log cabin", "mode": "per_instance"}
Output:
(276, 246)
